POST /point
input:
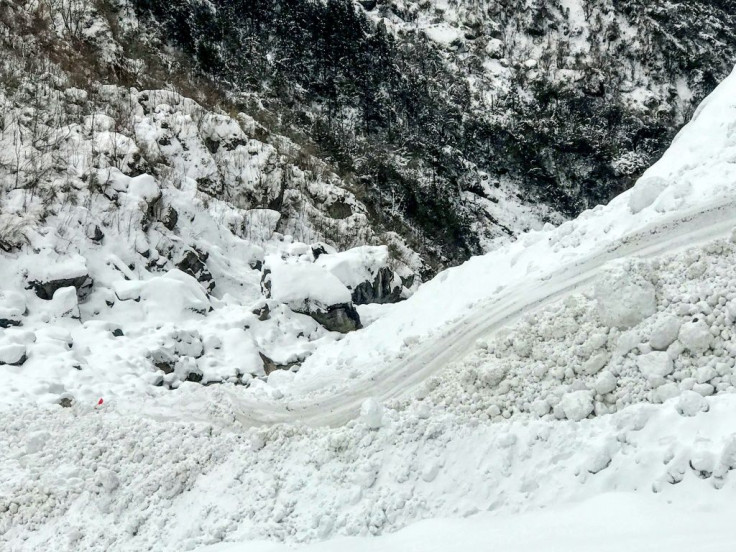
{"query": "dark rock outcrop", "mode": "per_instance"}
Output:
(337, 318)
(45, 290)
(382, 290)
(193, 263)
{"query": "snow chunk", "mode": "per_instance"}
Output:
(664, 333)
(624, 299)
(695, 336)
(371, 413)
(691, 403)
(645, 192)
(605, 383)
(655, 364)
(577, 405)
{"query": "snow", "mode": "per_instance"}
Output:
(655, 364)
(701, 178)
(696, 336)
(580, 380)
(297, 284)
(613, 521)
(356, 265)
(577, 405)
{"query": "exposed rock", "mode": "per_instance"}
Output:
(46, 289)
(263, 312)
(193, 263)
(312, 290)
(270, 366)
(163, 360)
(365, 271)
(337, 318)
(95, 233)
(169, 217)
(382, 290)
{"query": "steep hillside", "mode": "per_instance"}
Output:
(584, 387)
(447, 115)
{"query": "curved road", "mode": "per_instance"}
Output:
(400, 376)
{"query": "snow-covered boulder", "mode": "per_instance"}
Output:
(64, 303)
(13, 354)
(365, 271)
(48, 273)
(312, 290)
(12, 308)
(624, 298)
(169, 297)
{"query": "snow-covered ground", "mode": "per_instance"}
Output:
(575, 386)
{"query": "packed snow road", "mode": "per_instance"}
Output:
(405, 372)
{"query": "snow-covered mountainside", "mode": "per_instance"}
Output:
(218, 325)
(470, 120)
(176, 374)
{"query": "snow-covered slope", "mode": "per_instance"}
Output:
(690, 189)
(580, 360)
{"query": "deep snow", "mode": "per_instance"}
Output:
(518, 383)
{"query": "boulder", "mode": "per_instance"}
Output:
(49, 273)
(365, 271)
(13, 354)
(193, 263)
(338, 318)
(12, 309)
(309, 289)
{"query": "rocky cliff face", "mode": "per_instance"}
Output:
(437, 127)
(461, 122)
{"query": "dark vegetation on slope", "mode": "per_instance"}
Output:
(402, 123)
